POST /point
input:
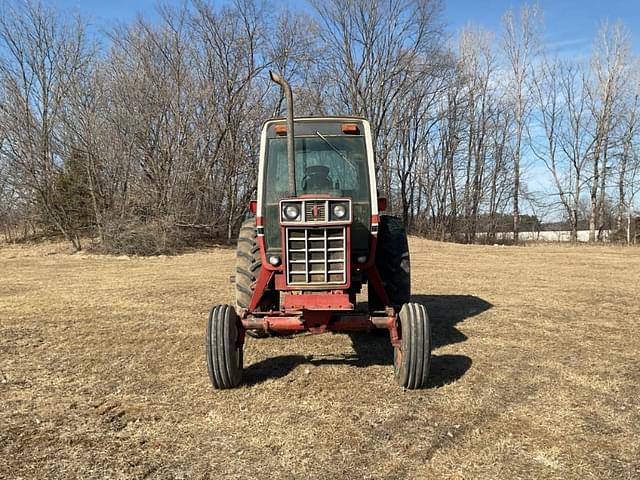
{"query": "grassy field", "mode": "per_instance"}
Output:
(536, 373)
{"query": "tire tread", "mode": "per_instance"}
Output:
(224, 358)
(413, 370)
(393, 263)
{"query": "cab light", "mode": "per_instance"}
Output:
(350, 129)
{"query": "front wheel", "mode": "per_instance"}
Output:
(224, 347)
(413, 359)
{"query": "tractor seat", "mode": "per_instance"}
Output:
(316, 179)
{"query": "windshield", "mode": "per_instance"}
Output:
(325, 165)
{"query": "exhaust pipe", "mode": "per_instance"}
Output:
(291, 161)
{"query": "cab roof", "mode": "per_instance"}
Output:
(319, 118)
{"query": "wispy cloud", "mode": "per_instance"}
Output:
(568, 46)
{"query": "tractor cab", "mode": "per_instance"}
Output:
(314, 236)
(317, 237)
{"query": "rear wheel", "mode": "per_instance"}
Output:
(224, 349)
(393, 264)
(413, 359)
(248, 265)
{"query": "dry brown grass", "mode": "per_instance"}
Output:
(536, 373)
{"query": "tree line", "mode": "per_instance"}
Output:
(144, 139)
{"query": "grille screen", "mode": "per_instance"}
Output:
(316, 256)
(315, 211)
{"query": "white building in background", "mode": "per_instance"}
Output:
(548, 236)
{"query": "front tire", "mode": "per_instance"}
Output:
(413, 360)
(224, 349)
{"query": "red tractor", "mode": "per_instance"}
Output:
(317, 237)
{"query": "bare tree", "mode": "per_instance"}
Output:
(563, 116)
(520, 46)
(373, 50)
(42, 55)
(293, 50)
(627, 157)
(479, 65)
(609, 62)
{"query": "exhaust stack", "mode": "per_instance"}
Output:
(291, 161)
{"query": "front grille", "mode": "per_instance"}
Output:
(316, 256)
(315, 211)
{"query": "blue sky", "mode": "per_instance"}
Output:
(570, 25)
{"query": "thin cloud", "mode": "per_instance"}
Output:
(568, 46)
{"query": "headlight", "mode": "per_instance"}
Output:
(339, 211)
(291, 211)
(274, 260)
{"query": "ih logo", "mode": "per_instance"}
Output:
(315, 212)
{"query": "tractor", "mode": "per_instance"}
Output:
(316, 236)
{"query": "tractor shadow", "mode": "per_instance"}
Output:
(374, 348)
(446, 311)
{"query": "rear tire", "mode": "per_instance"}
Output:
(248, 265)
(224, 352)
(393, 264)
(413, 360)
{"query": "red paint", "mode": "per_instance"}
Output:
(322, 321)
(280, 283)
(263, 255)
(394, 333)
(318, 312)
(318, 301)
(253, 207)
(382, 204)
(261, 285)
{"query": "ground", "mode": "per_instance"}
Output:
(536, 372)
